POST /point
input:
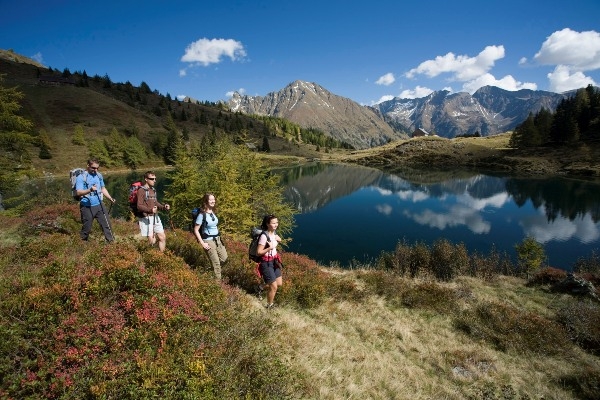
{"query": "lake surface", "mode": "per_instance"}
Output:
(350, 213)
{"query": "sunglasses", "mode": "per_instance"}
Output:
(212, 216)
(94, 167)
(151, 179)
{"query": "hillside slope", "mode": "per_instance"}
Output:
(99, 106)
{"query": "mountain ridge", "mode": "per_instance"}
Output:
(489, 111)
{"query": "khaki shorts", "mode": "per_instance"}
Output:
(145, 223)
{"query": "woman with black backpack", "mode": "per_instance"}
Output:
(270, 264)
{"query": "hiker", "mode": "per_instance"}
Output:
(270, 264)
(207, 233)
(87, 186)
(147, 203)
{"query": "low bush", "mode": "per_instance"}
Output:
(431, 296)
(547, 276)
(584, 383)
(507, 328)
(581, 320)
(489, 266)
(108, 321)
(383, 284)
(305, 284)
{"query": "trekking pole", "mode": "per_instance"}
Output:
(171, 221)
(105, 217)
(151, 233)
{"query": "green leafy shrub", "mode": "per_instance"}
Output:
(530, 255)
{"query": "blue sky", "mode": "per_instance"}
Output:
(366, 51)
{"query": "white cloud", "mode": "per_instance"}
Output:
(578, 50)
(211, 51)
(38, 57)
(412, 195)
(506, 83)
(572, 53)
(384, 209)
(182, 72)
(241, 91)
(560, 229)
(563, 79)
(383, 98)
(457, 216)
(415, 93)
(462, 67)
(497, 201)
(386, 79)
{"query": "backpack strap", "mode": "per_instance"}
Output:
(203, 225)
(85, 183)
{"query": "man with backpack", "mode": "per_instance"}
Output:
(89, 187)
(147, 204)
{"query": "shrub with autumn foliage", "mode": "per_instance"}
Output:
(89, 320)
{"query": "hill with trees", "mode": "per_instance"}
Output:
(576, 120)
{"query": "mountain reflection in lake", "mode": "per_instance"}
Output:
(353, 213)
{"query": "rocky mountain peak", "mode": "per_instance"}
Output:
(310, 105)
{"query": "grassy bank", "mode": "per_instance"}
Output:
(123, 321)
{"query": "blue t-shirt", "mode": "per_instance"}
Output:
(211, 225)
(85, 181)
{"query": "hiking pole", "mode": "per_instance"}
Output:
(171, 221)
(105, 217)
(151, 233)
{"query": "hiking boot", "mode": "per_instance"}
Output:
(259, 292)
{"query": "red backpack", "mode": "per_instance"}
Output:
(133, 189)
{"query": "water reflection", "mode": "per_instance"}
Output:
(485, 212)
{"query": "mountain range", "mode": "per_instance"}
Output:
(489, 111)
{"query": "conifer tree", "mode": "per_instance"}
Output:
(15, 134)
(244, 187)
(174, 141)
(185, 191)
(134, 153)
(78, 136)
